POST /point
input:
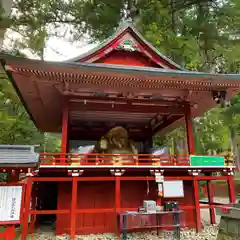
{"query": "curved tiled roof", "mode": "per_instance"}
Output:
(126, 26)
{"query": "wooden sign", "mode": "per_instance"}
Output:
(172, 189)
(10, 204)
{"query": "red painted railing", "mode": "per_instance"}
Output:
(113, 159)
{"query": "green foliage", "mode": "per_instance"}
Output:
(16, 127)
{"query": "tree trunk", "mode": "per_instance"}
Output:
(6, 5)
(234, 146)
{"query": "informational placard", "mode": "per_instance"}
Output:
(10, 203)
(173, 189)
(159, 178)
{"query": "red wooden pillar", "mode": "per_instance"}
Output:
(65, 116)
(197, 205)
(33, 204)
(211, 201)
(189, 128)
(231, 189)
(26, 208)
(73, 208)
(117, 202)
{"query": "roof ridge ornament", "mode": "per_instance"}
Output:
(128, 45)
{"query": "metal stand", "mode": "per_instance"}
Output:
(175, 225)
(124, 227)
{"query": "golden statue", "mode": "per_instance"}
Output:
(116, 141)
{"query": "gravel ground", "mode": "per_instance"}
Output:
(209, 233)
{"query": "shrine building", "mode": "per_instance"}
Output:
(127, 86)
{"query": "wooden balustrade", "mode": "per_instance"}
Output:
(74, 159)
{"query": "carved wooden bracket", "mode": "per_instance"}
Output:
(194, 172)
(117, 172)
(156, 172)
(75, 172)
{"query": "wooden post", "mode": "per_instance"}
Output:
(231, 189)
(65, 116)
(189, 128)
(211, 201)
(117, 202)
(33, 204)
(26, 209)
(73, 208)
(197, 205)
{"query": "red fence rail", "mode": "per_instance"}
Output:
(113, 159)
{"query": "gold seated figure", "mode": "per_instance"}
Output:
(114, 143)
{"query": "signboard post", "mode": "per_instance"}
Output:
(11, 199)
(10, 204)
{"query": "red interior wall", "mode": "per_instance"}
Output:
(91, 195)
(128, 59)
(97, 195)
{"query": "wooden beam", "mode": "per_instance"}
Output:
(167, 120)
(88, 134)
(128, 108)
(160, 118)
(80, 124)
(156, 120)
(139, 100)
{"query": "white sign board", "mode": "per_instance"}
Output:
(10, 203)
(173, 189)
(159, 178)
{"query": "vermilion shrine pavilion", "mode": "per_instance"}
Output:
(124, 83)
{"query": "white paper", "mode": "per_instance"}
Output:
(10, 203)
(160, 187)
(159, 178)
(173, 189)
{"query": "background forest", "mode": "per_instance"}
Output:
(200, 35)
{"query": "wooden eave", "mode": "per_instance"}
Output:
(42, 86)
(110, 44)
